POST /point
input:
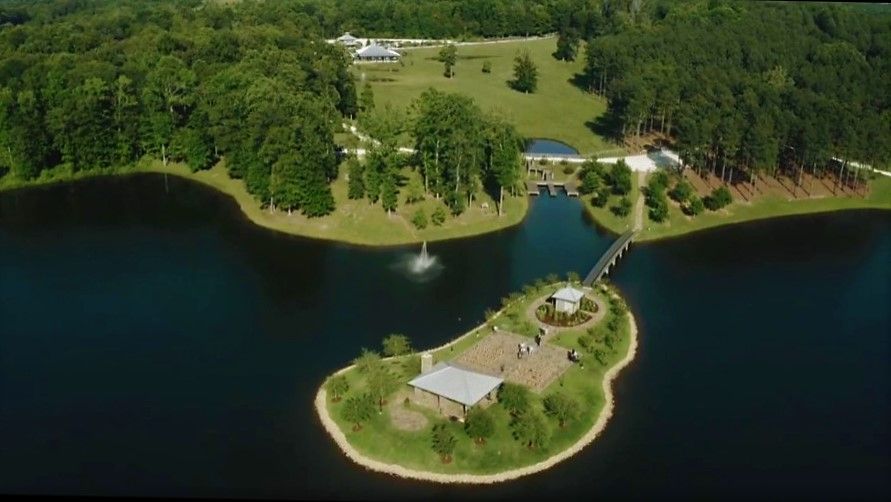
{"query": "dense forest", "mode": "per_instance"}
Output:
(752, 87)
(95, 84)
(736, 87)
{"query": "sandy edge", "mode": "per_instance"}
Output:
(397, 470)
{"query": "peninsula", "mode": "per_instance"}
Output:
(525, 390)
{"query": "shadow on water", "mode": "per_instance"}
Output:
(160, 344)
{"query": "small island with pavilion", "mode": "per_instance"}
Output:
(525, 390)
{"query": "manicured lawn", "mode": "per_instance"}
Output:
(766, 207)
(557, 110)
(380, 440)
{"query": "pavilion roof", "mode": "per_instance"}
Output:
(569, 294)
(376, 51)
(458, 384)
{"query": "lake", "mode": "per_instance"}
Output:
(155, 342)
(549, 147)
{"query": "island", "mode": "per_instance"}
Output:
(523, 391)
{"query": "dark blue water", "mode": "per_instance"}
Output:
(549, 146)
(156, 343)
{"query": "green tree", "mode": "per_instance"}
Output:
(439, 216)
(567, 45)
(396, 345)
(358, 409)
(487, 66)
(682, 191)
(366, 99)
(443, 442)
(368, 361)
(448, 56)
(563, 408)
(337, 387)
(479, 424)
(525, 74)
(381, 383)
(530, 429)
(620, 178)
(719, 198)
(623, 208)
(419, 219)
(356, 173)
(695, 206)
(515, 398)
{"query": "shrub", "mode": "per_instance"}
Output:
(439, 216)
(623, 208)
(601, 197)
(487, 67)
(658, 182)
(456, 203)
(694, 206)
(586, 342)
(681, 192)
(719, 198)
(658, 208)
(396, 345)
(419, 219)
(568, 169)
(443, 442)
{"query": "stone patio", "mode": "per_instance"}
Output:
(496, 354)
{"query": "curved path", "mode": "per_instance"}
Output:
(397, 470)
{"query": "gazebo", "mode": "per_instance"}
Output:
(567, 299)
(452, 389)
(349, 40)
(375, 52)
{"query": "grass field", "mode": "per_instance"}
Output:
(557, 110)
(380, 440)
(765, 207)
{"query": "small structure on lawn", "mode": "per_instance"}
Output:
(376, 52)
(450, 388)
(349, 41)
(567, 299)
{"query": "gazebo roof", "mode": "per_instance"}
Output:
(376, 51)
(346, 37)
(568, 294)
(456, 383)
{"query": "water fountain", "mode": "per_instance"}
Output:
(423, 261)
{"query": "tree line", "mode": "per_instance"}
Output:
(460, 152)
(100, 84)
(751, 88)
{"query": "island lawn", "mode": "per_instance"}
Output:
(557, 110)
(378, 439)
(768, 206)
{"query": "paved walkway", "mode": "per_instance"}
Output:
(639, 205)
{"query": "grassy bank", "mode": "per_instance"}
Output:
(380, 440)
(557, 110)
(764, 207)
(354, 222)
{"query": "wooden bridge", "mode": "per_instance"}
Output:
(610, 257)
(534, 187)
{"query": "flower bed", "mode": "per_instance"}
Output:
(548, 315)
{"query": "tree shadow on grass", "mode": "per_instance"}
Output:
(581, 82)
(607, 126)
